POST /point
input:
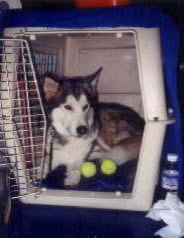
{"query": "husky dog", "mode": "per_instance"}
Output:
(70, 105)
(81, 128)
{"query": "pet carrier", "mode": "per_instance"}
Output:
(23, 124)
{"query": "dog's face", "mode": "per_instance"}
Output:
(74, 117)
(71, 102)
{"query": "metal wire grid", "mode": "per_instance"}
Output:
(22, 118)
(45, 62)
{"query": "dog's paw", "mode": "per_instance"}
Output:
(57, 176)
(96, 155)
(72, 179)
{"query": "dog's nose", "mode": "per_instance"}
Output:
(81, 130)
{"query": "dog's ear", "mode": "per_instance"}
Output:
(50, 87)
(93, 78)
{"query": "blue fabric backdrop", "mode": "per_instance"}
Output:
(134, 16)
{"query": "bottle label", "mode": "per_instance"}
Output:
(170, 180)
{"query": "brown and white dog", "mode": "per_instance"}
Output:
(120, 133)
(84, 128)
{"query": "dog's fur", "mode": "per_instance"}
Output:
(79, 122)
(120, 133)
(70, 104)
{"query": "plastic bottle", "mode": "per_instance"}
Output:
(170, 174)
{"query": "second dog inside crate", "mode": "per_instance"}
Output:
(74, 54)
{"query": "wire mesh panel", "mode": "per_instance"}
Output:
(45, 62)
(22, 118)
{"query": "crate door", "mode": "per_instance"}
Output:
(22, 118)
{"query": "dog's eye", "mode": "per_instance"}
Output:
(85, 107)
(68, 107)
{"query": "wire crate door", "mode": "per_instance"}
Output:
(22, 118)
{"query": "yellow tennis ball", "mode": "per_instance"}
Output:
(88, 169)
(108, 166)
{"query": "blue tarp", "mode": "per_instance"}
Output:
(130, 16)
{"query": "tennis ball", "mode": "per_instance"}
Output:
(108, 167)
(88, 169)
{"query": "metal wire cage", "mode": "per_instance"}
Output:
(22, 118)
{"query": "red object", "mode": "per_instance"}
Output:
(101, 3)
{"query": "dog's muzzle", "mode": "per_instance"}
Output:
(81, 130)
